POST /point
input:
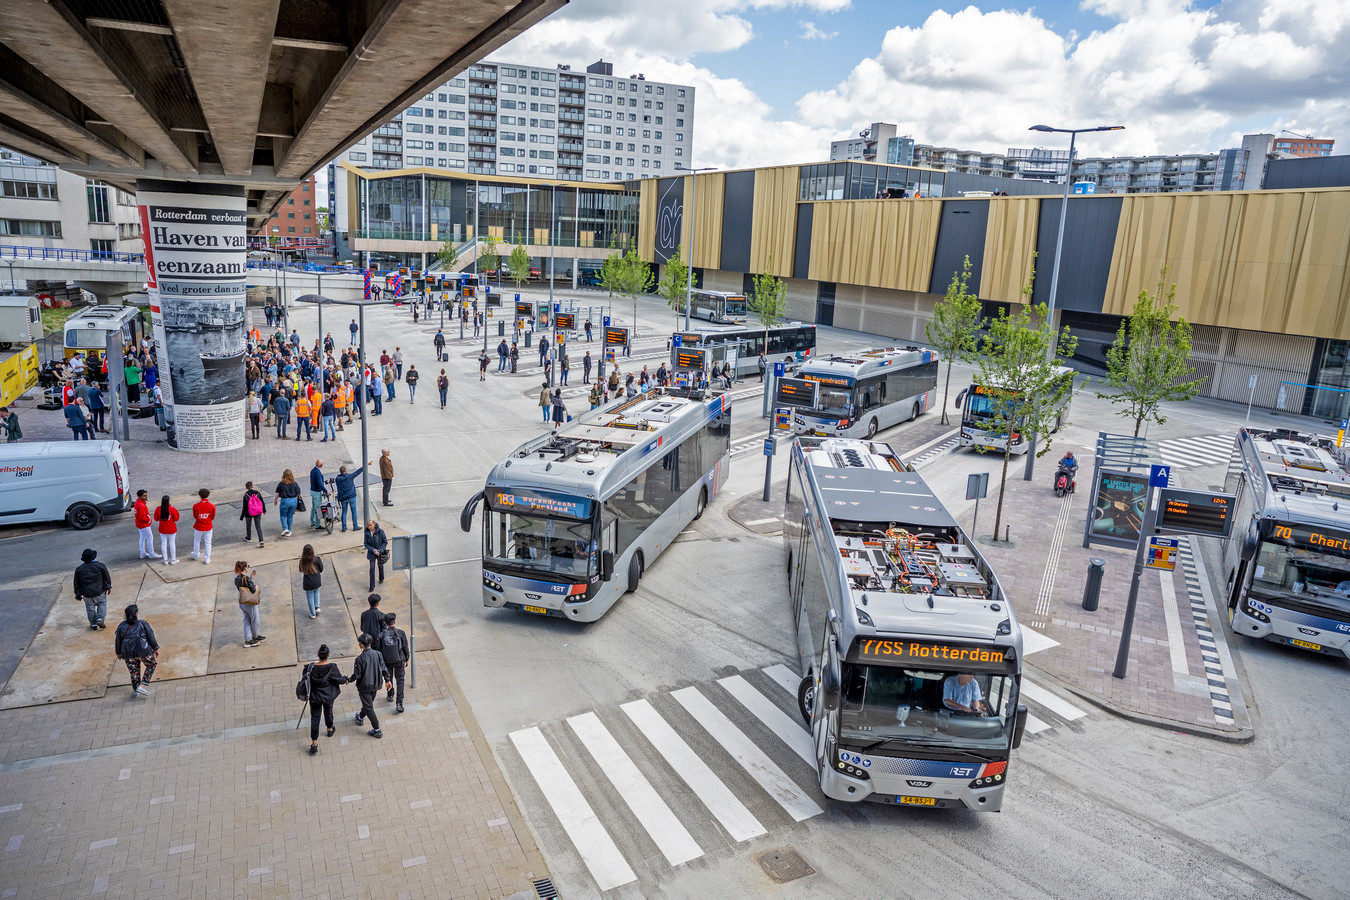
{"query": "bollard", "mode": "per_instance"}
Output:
(1093, 590)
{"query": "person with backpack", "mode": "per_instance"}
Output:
(135, 644)
(250, 598)
(482, 366)
(393, 644)
(320, 685)
(367, 674)
(443, 381)
(311, 570)
(251, 511)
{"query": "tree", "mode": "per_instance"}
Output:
(1018, 370)
(951, 331)
(321, 219)
(609, 268)
(674, 284)
(769, 304)
(1150, 359)
(624, 273)
(488, 257)
(447, 255)
(519, 264)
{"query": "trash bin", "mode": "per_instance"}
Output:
(1092, 592)
(501, 328)
(528, 335)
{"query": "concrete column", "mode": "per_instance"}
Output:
(195, 258)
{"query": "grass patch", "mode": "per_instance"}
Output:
(54, 318)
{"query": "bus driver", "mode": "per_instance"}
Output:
(961, 694)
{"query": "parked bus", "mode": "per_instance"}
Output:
(1288, 561)
(977, 405)
(88, 329)
(574, 517)
(792, 339)
(719, 307)
(861, 393)
(908, 648)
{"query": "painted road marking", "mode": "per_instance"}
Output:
(1052, 702)
(781, 724)
(784, 677)
(1035, 725)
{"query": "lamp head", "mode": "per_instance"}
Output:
(1041, 128)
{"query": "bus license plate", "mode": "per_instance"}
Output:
(535, 609)
(1306, 644)
(917, 801)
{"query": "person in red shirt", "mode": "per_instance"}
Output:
(147, 537)
(203, 514)
(167, 517)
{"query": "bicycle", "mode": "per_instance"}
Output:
(330, 511)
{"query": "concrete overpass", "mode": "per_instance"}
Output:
(258, 93)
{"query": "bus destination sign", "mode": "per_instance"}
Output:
(616, 337)
(689, 359)
(1311, 537)
(929, 654)
(799, 392)
(528, 501)
(1195, 512)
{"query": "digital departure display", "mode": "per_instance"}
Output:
(929, 655)
(799, 392)
(565, 320)
(1195, 512)
(831, 380)
(524, 310)
(529, 501)
(690, 338)
(689, 360)
(616, 337)
(1312, 537)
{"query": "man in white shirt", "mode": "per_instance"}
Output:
(961, 694)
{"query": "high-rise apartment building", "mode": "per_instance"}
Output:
(44, 206)
(866, 145)
(511, 119)
(1305, 146)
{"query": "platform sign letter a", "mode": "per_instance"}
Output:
(1159, 476)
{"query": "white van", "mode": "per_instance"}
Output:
(79, 481)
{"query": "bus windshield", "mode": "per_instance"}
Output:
(1315, 579)
(979, 406)
(540, 543)
(909, 706)
(736, 306)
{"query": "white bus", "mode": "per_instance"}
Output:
(88, 329)
(720, 307)
(790, 339)
(1288, 561)
(978, 404)
(573, 517)
(909, 652)
(861, 393)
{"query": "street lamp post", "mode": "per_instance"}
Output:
(1053, 347)
(693, 196)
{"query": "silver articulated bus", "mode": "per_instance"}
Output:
(909, 652)
(1288, 561)
(573, 517)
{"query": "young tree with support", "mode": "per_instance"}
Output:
(489, 258)
(447, 255)
(1026, 391)
(519, 264)
(770, 301)
(632, 277)
(1149, 362)
(956, 320)
(674, 283)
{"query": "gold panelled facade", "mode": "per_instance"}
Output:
(879, 243)
(773, 228)
(1009, 247)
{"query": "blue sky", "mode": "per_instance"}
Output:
(1181, 75)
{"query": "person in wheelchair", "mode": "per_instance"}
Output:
(962, 696)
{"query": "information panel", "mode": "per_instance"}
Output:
(798, 392)
(565, 321)
(1118, 507)
(689, 360)
(524, 310)
(616, 337)
(534, 501)
(1195, 512)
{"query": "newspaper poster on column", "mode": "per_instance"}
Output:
(195, 257)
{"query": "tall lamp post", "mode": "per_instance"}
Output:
(1054, 270)
(689, 263)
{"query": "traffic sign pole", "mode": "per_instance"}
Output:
(778, 370)
(1158, 476)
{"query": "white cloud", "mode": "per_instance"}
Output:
(811, 33)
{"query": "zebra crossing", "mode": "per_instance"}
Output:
(693, 770)
(1199, 450)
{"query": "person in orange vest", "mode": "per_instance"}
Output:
(315, 405)
(302, 410)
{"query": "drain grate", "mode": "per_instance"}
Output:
(545, 889)
(784, 865)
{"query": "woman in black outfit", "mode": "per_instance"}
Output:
(324, 686)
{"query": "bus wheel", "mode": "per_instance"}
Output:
(634, 571)
(915, 416)
(702, 502)
(872, 428)
(806, 697)
(83, 516)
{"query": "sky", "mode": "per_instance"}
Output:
(777, 80)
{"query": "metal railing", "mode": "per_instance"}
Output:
(302, 268)
(8, 251)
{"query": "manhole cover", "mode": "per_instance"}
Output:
(784, 865)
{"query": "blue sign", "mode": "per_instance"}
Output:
(678, 341)
(1345, 423)
(768, 446)
(557, 307)
(606, 321)
(1159, 476)
(779, 369)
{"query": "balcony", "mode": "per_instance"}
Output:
(478, 74)
(570, 145)
(482, 122)
(390, 131)
(482, 90)
(486, 106)
(571, 115)
(569, 159)
(573, 130)
(480, 138)
(565, 99)
(386, 147)
(482, 169)
(483, 154)
(571, 83)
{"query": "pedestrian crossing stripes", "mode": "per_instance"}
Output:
(755, 770)
(933, 453)
(1219, 696)
(1199, 450)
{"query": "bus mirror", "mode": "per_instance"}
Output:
(466, 516)
(1250, 543)
(606, 565)
(1019, 725)
(830, 688)
(959, 399)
